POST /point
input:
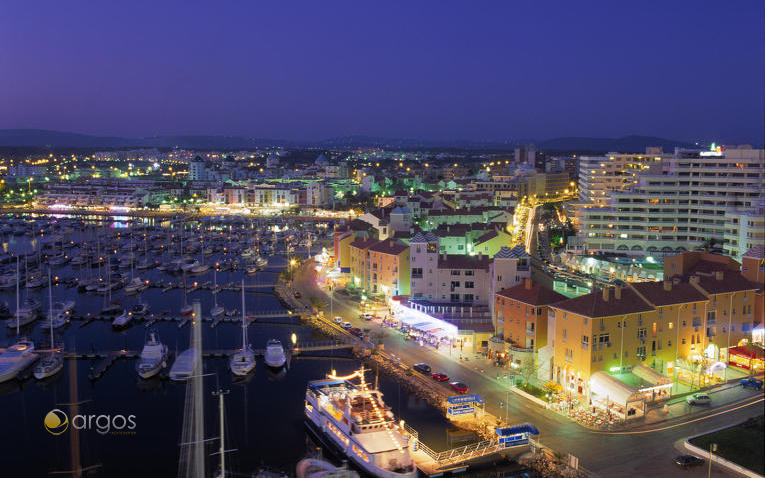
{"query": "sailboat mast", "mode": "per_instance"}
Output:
(244, 321)
(222, 435)
(18, 312)
(50, 307)
(215, 287)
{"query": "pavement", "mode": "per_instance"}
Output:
(647, 448)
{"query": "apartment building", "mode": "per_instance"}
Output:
(599, 176)
(387, 268)
(520, 313)
(680, 328)
(380, 266)
(461, 287)
(681, 203)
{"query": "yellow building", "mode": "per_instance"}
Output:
(680, 328)
(357, 251)
(380, 267)
(387, 268)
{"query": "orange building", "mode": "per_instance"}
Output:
(521, 313)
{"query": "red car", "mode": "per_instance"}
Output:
(459, 387)
(440, 377)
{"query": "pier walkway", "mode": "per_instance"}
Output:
(105, 359)
(434, 463)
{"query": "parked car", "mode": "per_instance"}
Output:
(687, 461)
(440, 377)
(422, 368)
(347, 325)
(459, 387)
(356, 331)
(338, 319)
(298, 294)
(751, 382)
(698, 399)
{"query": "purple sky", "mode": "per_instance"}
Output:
(416, 69)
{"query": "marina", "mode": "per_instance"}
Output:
(115, 366)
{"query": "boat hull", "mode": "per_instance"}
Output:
(338, 450)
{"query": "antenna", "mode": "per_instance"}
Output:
(222, 448)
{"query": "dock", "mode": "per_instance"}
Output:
(457, 459)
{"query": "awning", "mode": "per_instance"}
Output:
(650, 375)
(608, 387)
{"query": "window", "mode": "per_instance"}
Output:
(417, 273)
(564, 335)
(455, 298)
(455, 284)
(470, 273)
(455, 272)
(468, 285)
(641, 352)
(468, 297)
(641, 333)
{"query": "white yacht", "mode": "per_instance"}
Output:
(153, 357)
(242, 362)
(317, 468)
(184, 365)
(354, 419)
(274, 355)
(25, 314)
(135, 286)
(140, 309)
(16, 358)
(123, 319)
(200, 269)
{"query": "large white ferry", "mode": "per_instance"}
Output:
(354, 418)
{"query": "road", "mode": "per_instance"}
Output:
(639, 452)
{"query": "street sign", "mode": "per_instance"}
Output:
(469, 398)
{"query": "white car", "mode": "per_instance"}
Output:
(698, 399)
(338, 319)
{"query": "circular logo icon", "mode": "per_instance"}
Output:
(56, 422)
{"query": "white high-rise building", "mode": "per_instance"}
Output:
(683, 202)
(599, 176)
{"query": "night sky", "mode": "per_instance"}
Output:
(477, 70)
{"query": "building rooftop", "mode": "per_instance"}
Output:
(656, 293)
(388, 246)
(725, 281)
(460, 261)
(756, 252)
(514, 253)
(593, 304)
(532, 293)
(363, 243)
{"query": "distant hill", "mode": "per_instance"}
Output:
(37, 138)
(626, 144)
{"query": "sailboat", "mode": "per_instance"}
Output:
(53, 361)
(243, 361)
(217, 310)
(153, 357)
(58, 312)
(26, 314)
(186, 309)
(188, 362)
(20, 355)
